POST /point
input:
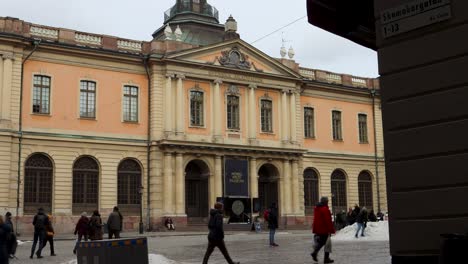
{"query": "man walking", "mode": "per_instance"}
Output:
(216, 235)
(361, 222)
(322, 228)
(40, 222)
(114, 223)
(12, 243)
(273, 223)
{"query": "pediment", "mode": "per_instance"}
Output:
(235, 54)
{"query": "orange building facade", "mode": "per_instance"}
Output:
(165, 128)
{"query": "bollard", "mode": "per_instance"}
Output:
(116, 251)
(454, 249)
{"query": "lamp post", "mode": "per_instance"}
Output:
(140, 192)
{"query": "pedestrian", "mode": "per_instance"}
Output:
(169, 224)
(372, 216)
(50, 233)
(40, 222)
(273, 223)
(216, 235)
(114, 223)
(95, 226)
(322, 228)
(5, 233)
(361, 220)
(380, 216)
(12, 243)
(82, 229)
(350, 219)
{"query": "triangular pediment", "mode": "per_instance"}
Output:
(235, 54)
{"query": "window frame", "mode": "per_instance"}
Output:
(271, 130)
(363, 137)
(202, 110)
(95, 99)
(312, 123)
(33, 86)
(41, 175)
(137, 102)
(130, 208)
(339, 134)
(78, 207)
(238, 128)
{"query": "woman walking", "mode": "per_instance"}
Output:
(95, 226)
(5, 232)
(50, 236)
(82, 230)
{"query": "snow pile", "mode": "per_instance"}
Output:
(21, 242)
(153, 259)
(375, 231)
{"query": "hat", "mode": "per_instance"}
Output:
(8, 214)
(84, 214)
(324, 199)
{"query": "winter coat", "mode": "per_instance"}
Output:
(40, 222)
(95, 228)
(115, 221)
(82, 226)
(5, 233)
(322, 224)
(362, 217)
(216, 225)
(273, 219)
(50, 230)
(9, 224)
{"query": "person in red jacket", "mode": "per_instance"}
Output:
(322, 228)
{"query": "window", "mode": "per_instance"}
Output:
(128, 185)
(336, 120)
(309, 129)
(130, 107)
(365, 190)
(311, 190)
(338, 189)
(38, 184)
(196, 108)
(363, 128)
(266, 115)
(85, 185)
(233, 112)
(88, 99)
(41, 94)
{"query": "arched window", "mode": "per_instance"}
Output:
(365, 190)
(85, 185)
(338, 188)
(38, 184)
(311, 190)
(129, 184)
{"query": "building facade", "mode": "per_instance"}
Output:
(169, 126)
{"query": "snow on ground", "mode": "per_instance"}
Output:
(22, 242)
(153, 259)
(375, 231)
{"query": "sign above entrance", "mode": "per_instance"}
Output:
(236, 177)
(414, 15)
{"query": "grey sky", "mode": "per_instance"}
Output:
(137, 19)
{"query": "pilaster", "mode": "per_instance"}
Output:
(6, 87)
(180, 107)
(217, 137)
(284, 117)
(169, 108)
(252, 115)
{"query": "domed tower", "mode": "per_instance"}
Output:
(198, 22)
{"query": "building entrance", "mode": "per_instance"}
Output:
(196, 192)
(268, 186)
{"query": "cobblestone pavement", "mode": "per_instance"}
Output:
(247, 248)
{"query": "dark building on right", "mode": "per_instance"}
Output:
(422, 49)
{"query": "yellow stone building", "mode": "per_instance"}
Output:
(169, 126)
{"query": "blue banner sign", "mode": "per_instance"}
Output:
(236, 177)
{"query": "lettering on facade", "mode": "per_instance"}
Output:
(236, 177)
(231, 76)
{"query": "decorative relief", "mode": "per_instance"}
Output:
(266, 96)
(7, 56)
(43, 32)
(235, 59)
(129, 45)
(233, 89)
(197, 88)
(88, 39)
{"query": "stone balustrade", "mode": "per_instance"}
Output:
(43, 32)
(88, 39)
(129, 45)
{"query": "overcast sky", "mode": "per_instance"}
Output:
(137, 19)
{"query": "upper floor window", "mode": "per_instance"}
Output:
(309, 128)
(266, 115)
(130, 104)
(363, 128)
(233, 112)
(336, 120)
(41, 94)
(196, 108)
(87, 99)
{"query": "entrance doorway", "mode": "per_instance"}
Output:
(196, 192)
(268, 186)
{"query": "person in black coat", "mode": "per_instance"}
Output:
(40, 222)
(12, 242)
(273, 223)
(361, 220)
(216, 235)
(5, 233)
(372, 216)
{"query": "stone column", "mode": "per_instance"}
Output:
(284, 117)
(180, 108)
(253, 178)
(6, 89)
(295, 187)
(168, 184)
(180, 185)
(287, 186)
(218, 180)
(1, 81)
(168, 107)
(252, 113)
(293, 127)
(217, 111)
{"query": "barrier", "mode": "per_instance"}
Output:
(116, 251)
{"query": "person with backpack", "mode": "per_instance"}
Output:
(50, 233)
(322, 228)
(5, 233)
(12, 243)
(272, 218)
(95, 226)
(82, 229)
(40, 222)
(216, 235)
